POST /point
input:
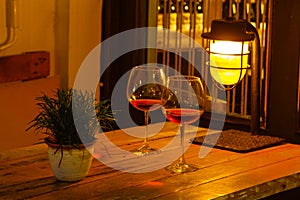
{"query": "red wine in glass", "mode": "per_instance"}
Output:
(146, 104)
(183, 116)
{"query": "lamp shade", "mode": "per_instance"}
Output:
(228, 50)
(230, 29)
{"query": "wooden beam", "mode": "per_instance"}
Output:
(26, 66)
(284, 66)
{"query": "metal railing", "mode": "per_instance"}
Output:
(193, 17)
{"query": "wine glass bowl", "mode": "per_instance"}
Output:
(144, 90)
(147, 97)
(184, 102)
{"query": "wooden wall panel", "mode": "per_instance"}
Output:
(284, 67)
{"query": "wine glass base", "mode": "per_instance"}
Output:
(144, 150)
(180, 167)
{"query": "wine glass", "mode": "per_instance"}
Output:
(184, 101)
(144, 90)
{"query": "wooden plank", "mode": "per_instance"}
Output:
(161, 182)
(45, 184)
(22, 152)
(255, 184)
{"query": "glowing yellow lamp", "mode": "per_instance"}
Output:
(228, 61)
(228, 49)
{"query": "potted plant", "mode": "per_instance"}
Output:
(69, 152)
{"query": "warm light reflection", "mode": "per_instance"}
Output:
(154, 183)
(226, 55)
(96, 155)
(173, 21)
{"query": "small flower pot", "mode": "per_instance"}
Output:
(70, 163)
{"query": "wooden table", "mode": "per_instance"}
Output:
(25, 174)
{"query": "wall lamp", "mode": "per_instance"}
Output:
(232, 44)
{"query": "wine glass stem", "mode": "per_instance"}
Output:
(146, 115)
(182, 159)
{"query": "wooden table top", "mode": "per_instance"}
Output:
(25, 174)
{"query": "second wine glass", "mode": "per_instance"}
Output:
(144, 90)
(184, 101)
